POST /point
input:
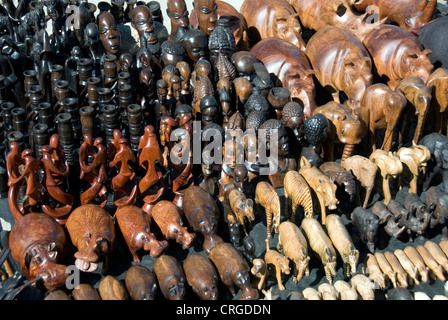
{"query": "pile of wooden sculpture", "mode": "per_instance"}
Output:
(97, 110)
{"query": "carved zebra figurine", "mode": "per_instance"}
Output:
(297, 192)
(266, 195)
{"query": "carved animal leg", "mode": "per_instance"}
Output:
(262, 281)
(288, 214)
(278, 274)
(323, 209)
(296, 273)
(386, 190)
(293, 213)
(269, 214)
(366, 199)
(413, 184)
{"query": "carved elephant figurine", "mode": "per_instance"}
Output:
(37, 244)
(381, 108)
(438, 80)
(419, 97)
(408, 14)
(323, 186)
(294, 72)
(397, 54)
(415, 159)
(272, 19)
(344, 126)
(364, 171)
(341, 62)
(389, 165)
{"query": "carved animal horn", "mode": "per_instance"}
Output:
(426, 52)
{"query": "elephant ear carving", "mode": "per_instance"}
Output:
(304, 163)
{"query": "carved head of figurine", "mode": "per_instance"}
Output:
(293, 119)
(167, 73)
(172, 52)
(143, 22)
(181, 110)
(91, 34)
(126, 61)
(213, 137)
(206, 12)
(146, 81)
(209, 110)
(273, 134)
(109, 34)
(244, 63)
(221, 40)
(162, 89)
(178, 13)
(239, 176)
(203, 68)
(195, 44)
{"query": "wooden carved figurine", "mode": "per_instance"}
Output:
(341, 62)
(141, 283)
(272, 19)
(366, 225)
(260, 271)
(124, 156)
(364, 286)
(373, 271)
(297, 192)
(389, 166)
(279, 262)
(92, 232)
(386, 268)
(94, 172)
(407, 265)
(414, 161)
(402, 276)
(171, 277)
(413, 255)
(202, 214)
(295, 72)
(233, 270)
(344, 180)
(168, 218)
(419, 97)
(242, 208)
(438, 81)
(436, 270)
(343, 243)
(266, 196)
(400, 55)
(437, 253)
(37, 244)
(364, 171)
(343, 125)
(110, 288)
(381, 108)
(22, 168)
(85, 291)
(294, 245)
(149, 153)
(323, 187)
(135, 225)
(201, 276)
(321, 244)
(54, 184)
(409, 14)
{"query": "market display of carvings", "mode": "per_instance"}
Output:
(284, 149)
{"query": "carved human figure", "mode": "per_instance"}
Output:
(124, 196)
(149, 154)
(143, 22)
(94, 173)
(195, 44)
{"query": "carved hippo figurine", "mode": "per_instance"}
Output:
(168, 218)
(397, 54)
(201, 276)
(233, 270)
(37, 244)
(202, 214)
(92, 232)
(344, 126)
(85, 291)
(323, 187)
(170, 277)
(316, 15)
(272, 19)
(140, 283)
(366, 225)
(408, 14)
(292, 68)
(381, 110)
(341, 63)
(135, 225)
